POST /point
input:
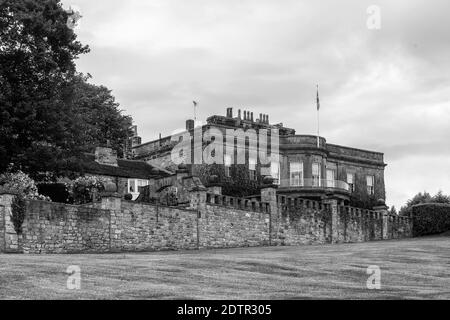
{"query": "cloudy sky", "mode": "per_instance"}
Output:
(386, 89)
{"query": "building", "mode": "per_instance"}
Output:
(128, 175)
(308, 166)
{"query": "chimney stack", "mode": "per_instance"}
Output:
(106, 156)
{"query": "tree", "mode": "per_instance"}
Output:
(37, 53)
(393, 211)
(48, 111)
(424, 197)
(98, 119)
(440, 198)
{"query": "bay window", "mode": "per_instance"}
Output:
(296, 174)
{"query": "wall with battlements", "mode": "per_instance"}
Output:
(210, 220)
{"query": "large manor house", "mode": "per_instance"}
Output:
(308, 167)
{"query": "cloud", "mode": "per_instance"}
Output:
(386, 90)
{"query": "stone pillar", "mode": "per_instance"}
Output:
(198, 203)
(269, 195)
(198, 199)
(112, 201)
(333, 203)
(383, 211)
(9, 240)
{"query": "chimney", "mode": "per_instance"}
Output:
(231, 112)
(239, 113)
(251, 116)
(260, 118)
(190, 124)
(267, 118)
(135, 141)
(106, 156)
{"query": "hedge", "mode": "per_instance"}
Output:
(430, 218)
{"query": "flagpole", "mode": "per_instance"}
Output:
(195, 111)
(318, 119)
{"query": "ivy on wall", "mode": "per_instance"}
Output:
(18, 208)
(238, 184)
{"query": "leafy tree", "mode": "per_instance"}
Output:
(37, 53)
(424, 197)
(48, 111)
(98, 119)
(393, 211)
(440, 198)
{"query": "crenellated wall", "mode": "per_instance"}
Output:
(211, 220)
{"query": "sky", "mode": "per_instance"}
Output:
(383, 86)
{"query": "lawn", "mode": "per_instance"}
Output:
(410, 269)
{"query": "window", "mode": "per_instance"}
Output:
(296, 174)
(316, 174)
(227, 163)
(275, 172)
(351, 181)
(370, 185)
(133, 186)
(330, 178)
(252, 168)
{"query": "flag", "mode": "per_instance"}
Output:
(318, 102)
(195, 103)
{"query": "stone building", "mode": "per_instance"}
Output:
(307, 166)
(128, 175)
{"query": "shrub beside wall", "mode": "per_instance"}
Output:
(430, 218)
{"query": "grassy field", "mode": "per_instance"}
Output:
(410, 269)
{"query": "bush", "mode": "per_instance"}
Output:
(430, 218)
(87, 189)
(20, 183)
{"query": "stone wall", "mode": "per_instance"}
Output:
(56, 228)
(210, 221)
(143, 227)
(222, 227)
(308, 222)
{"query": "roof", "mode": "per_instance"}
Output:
(125, 168)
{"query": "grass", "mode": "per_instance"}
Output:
(410, 269)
